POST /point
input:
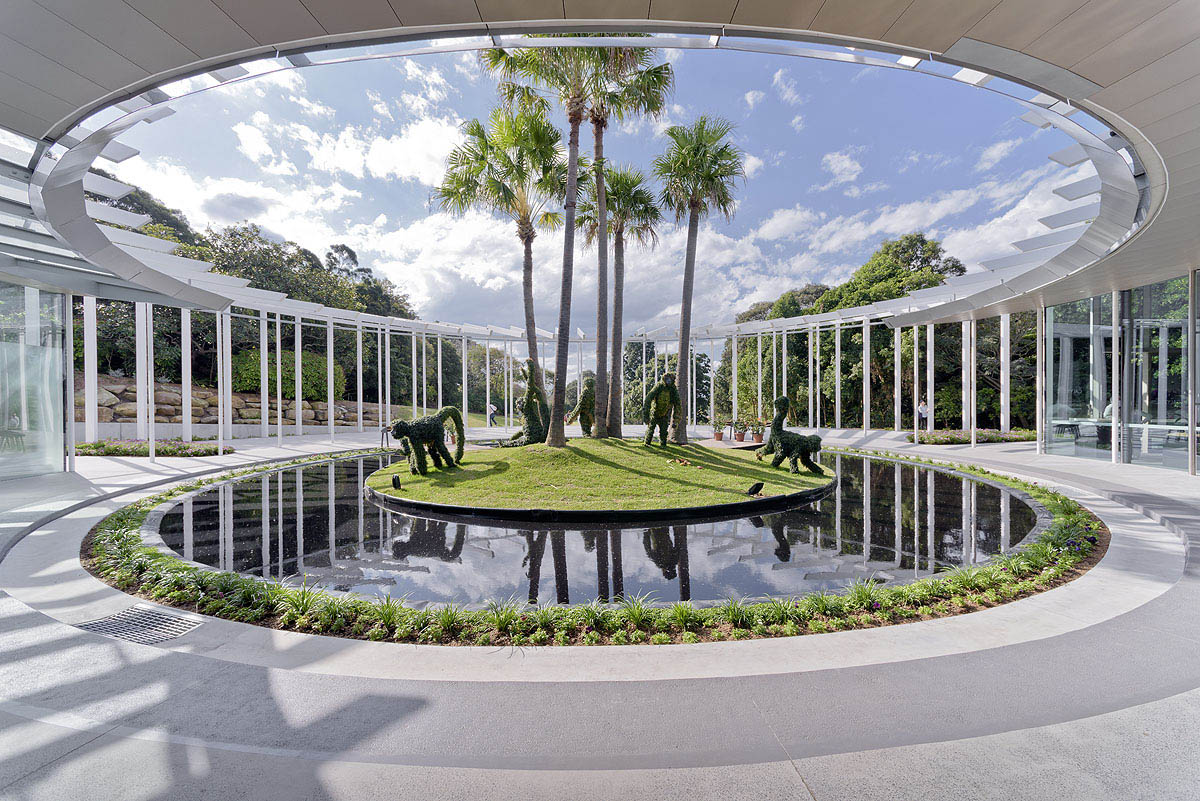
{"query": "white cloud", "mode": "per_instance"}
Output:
(468, 66)
(798, 123)
(854, 190)
(379, 105)
(996, 152)
(785, 85)
(753, 98)
(929, 161)
(786, 224)
(842, 167)
(252, 142)
(312, 108)
(418, 153)
(752, 165)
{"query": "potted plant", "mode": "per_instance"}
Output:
(719, 426)
(757, 427)
(739, 430)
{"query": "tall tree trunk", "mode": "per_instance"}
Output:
(600, 428)
(556, 437)
(526, 232)
(616, 406)
(679, 434)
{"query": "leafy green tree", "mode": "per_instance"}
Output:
(698, 172)
(514, 166)
(633, 215)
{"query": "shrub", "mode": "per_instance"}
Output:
(636, 610)
(245, 367)
(660, 639)
(502, 614)
(137, 447)
(735, 612)
(684, 616)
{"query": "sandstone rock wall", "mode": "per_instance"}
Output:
(116, 398)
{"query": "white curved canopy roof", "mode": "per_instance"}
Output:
(1136, 66)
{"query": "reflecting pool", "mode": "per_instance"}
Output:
(313, 521)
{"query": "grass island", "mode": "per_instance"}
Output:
(589, 474)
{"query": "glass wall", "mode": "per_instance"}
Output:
(1078, 381)
(31, 381)
(1152, 424)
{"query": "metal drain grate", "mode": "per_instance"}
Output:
(141, 624)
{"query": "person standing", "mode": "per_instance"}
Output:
(491, 410)
(922, 413)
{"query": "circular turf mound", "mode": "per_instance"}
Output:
(600, 475)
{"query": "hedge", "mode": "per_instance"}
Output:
(312, 375)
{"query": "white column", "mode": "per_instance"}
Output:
(1066, 358)
(896, 382)
(811, 420)
(153, 409)
(413, 349)
(185, 371)
(866, 375)
(264, 391)
(929, 365)
(68, 316)
(1098, 370)
(90, 380)
(229, 374)
(785, 363)
(774, 370)
(712, 383)
(220, 340)
(358, 372)
(1006, 372)
(279, 380)
(1115, 393)
(139, 356)
(819, 392)
(1039, 379)
(329, 379)
(733, 379)
(1189, 370)
(464, 378)
(440, 402)
(916, 387)
(385, 412)
(974, 379)
(643, 370)
(296, 376)
(487, 382)
(1163, 333)
(383, 420)
(424, 374)
(837, 374)
(964, 366)
(758, 409)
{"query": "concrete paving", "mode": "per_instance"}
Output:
(1102, 706)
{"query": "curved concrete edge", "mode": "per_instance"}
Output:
(1143, 561)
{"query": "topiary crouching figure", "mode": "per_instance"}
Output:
(428, 435)
(534, 411)
(662, 404)
(789, 445)
(585, 409)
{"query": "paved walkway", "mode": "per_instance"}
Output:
(1093, 698)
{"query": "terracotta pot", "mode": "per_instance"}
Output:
(739, 436)
(718, 435)
(758, 437)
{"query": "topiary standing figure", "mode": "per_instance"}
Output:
(428, 435)
(662, 406)
(585, 409)
(788, 444)
(534, 410)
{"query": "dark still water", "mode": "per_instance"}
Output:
(313, 521)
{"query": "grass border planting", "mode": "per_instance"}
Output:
(958, 436)
(140, 447)
(115, 552)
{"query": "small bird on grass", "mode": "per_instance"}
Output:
(755, 488)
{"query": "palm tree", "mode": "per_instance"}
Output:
(514, 166)
(698, 172)
(633, 214)
(635, 86)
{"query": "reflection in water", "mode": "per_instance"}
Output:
(895, 522)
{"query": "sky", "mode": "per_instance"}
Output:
(838, 158)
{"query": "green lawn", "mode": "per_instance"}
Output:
(596, 474)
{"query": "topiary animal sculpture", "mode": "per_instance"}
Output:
(662, 404)
(789, 445)
(585, 409)
(428, 434)
(534, 411)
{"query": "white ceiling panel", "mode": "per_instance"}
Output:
(777, 13)
(58, 40)
(502, 10)
(936, 24)
(1016, 23)
(435, 12)
(199, 25)
(343, 16)
(273, 22)
(719, 11)
(124, 30)
(1089, 28)
(1163, 33)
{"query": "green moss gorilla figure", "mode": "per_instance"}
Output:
(428, 434)
(662, 403)
(534, 410)
(585, 409)
(789, 445)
